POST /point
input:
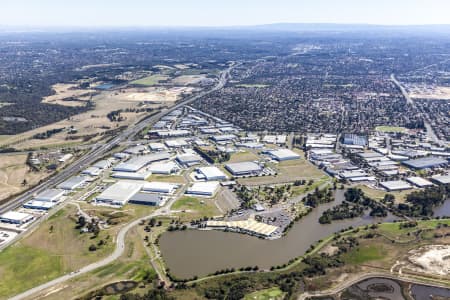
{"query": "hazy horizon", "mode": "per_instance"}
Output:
(232, 13)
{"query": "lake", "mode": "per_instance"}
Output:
(195, 252)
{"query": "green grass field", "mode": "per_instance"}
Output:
(364, 254)
(390, 129)
(150, 80)
(23, 267)
(269, 294)
(55, 248)
(195, 208)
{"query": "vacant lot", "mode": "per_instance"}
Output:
(379, 194)
(132, 265)
(269, 294)
(288, 171)
(243, 156)
(55, 248)
(13, 171)
(195, 208)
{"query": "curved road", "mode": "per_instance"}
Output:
(91, 157)
(346, 284)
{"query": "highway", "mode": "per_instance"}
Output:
(430, 132)
(89, 159)
(100, 150)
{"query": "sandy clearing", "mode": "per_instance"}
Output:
(433, 259)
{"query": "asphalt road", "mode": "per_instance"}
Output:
(90, 158)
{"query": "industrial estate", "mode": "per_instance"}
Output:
(307, 167)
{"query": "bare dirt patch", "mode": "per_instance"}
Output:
(434, 259)
(68, 94)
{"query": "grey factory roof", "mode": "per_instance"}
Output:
(243, 167)
(443, 179)
(138, 162)
(425, 162)
(72, 182)
(396, 185)
(120, 192)
(146, 199)
(49, 195)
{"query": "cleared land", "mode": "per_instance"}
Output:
(390, 129)
(288, 171)
(195, 208)
(66, 93)
(269, 294)
(53, 249)
(430, 92)
(13, 171)
(375, 194)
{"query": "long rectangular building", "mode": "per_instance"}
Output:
(136, 163)
(119, 193)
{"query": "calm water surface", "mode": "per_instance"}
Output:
(195, 252)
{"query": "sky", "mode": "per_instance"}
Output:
(125, 13)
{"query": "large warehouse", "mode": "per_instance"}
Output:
(188, 159)
(396, 185)
(73, 183)
(244, 168)
(136, 163)
(165, 168)
(426, 163)
(283, 154)
(14, 217)
(132, 175)
(50, 195)
(39, 205)
(442, 179)
(119, 193)
(419, 181)
(212, 173)
(208, 188)
(160, 187)
(147, 199)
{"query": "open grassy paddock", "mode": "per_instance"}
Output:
(53, 249)
(390, 129)
(268, 294)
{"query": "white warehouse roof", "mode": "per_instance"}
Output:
(163, 167)
(73, 182)
(242, 168)
(283, 154)
(396, 185)
(212, 173)
(119, 193)
(160, 187)
(50, 195)
(15, 217)
(419, 181)
(138, 162)
(208, 188)
(132, 175)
